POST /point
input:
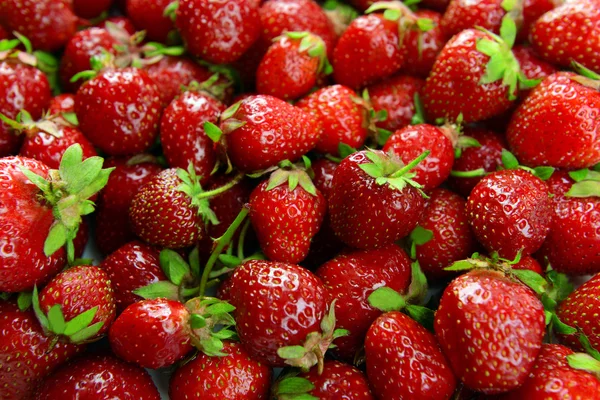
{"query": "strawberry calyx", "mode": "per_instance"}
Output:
(587, 77)
(509, 161)
(453, 130)
(344, 151)
(214, 86)
(51, 124)
(340, 15)
(210, 323)
(419, 236)
(588, 361)
(312, 352)
(293, 174)
(587, 183)
(9, 51)
(171, 10)
(68, 190)
(312, 45)
(400, 13)
(293, 387)
(371, 117)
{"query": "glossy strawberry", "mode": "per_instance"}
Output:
(422, 47)
(90, 8)
(63, 103)
(530, 263)
(98, 376)
(151, 333)
(233, 376)
(397, 347)
(490, 329)
(148, 15)
(464, 14)
(532, 66)
(510, 211)
(396, 96)
(323, 170)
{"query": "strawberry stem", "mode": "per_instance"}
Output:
(219, 190)
(410, 165)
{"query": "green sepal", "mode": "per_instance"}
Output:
(462, 265)
(584, 71)
(213, 131)
(231, 110)
(587, 188)
(160, 289)
(41, 317)
(587, 346)
(70, 117)
(386, 299)
(9, 44)
(469, 174)
(194, 261)
(56, 320)
(57, 238)
(291, 352)
(345, 150)
(560, 286)
(170, 10)
(420, 235)
(509, 161)
(425, 24)
(294, 385)
(25, 41)
(383, 135)
(86, 334)
(584, 362)
(80, 322)
(174, 266)
(422, 315)
(508, 5)
(24, 300)
(560, 327)
(544, 173)
(417, 290)
(197, 321)
(532, 279)
(191, 186)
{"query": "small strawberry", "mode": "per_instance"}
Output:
(374, 200)
(395, 96)
(235, 375)
(423, 43)
(98, 376)
(149, 15)
(90, 9)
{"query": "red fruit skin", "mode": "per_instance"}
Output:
(396, 96)
(368, 51)
(219, 31)
(350, 278)
(49, 149)
(277, 304)
(488, 157)
(90, 9)
(228, 204)
(573, 243)
(98, 377)
(453, 86)
(430, 42)
(21, 88)
(465, 14)
(286, 221)
(131, 267)
(341, 119)
(550, 38)
(48, 24)
(532, 11)
(529, 263)
(112, 219)
(366, 215)
(339, 381)
(579, 310)
(4, 34)
(410, 142)
(397, 348)
(164, 216)
(438, 5)
(323, 170)
(490, 329)
(182, 132)
(129, 99)
(552, 378)
(63, 103)
(532, 66)
(160, 325)
(24, 226)
(235, 376)
(452, 239)
(510, 210)
(556, 125)
(148, 15)
(25, 355)
(274, 131)
(79, 289)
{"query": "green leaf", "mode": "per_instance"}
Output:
(584, 189)
(56, 320)
(157, 290)
(212, 347)
(386, 299)
(80, 322)
(532, 279)
(544, 173)
(41, 317)
(422, 315)
(71, 118)
(420, 235)
(425, 24)
(562, 328)
(86, 333)
(24, 300)
(392, 14)
(372, 170)
(57, 237)
(508, 30)
(197, 321)
(291, 352)
(9, 44)
(294, 385)
(488, 47)
(561, 286)
(174, 266)
(26, 42)
(37, 180)
(584, 362)
(345, 150)
(509, 160)
(587, 346)
(224, 334)
(508, 5)
(221, 307)
(212, 131)
(462, 265)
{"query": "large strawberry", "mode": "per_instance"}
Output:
(374, 200)
(149, 15)
(491, 329)
(396, 96)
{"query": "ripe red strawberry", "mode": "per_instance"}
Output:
(218, 32)
(368, 51)
(550, 36)
(278, 305)
(90, 9)
(553, 126)
(350, 278)
(373, 200)
(27, 353)
(323, 170)
(261, 131)
(292, 65)
(532, 66)
(422, 47)
(152, 333)
(63, 103)
(530, 263)
(397, 347)
(228, 204)
(232, 376)
(510, 211)
(4, 34)
(461, 15)
(49, 24)
(112, 219)
(342, 115)
(396, 96)
(572, 244)
(450, 239)
(182, 133)
(148, 15)
(98, 376)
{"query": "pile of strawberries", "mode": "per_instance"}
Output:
(298, 201)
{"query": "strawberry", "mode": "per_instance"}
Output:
(36, 221)
(395, 347)
(63, 103)
(446, 226)
(286, 211)
(530, 263)
(550, 35)
(90, 9)
(323, 170)
(461, 15)
(532, 66)
(27, 354)
(510, 211)
(261, 131)
(491, 329)
(49, 24)
(228, 204)
(149, 15)
(292, 65)
(112, 220)
(364, 186)
(218, 32)
(343, 117)
(152, 333)
(350, 278)
(572, 244)
(129, 99)
(395, 96)
(235, 375)
(98, 376)
(553, 125)
(423, 46)
(368, 51)
(77, 292)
